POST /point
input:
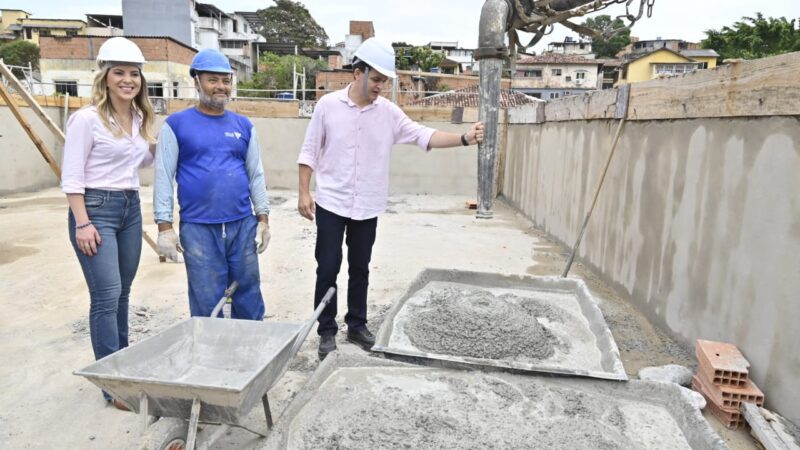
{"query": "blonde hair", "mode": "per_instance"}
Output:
(141, 104)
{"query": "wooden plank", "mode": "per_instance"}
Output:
(597, 105)
(40, 145)
(427, 113)
(13, 81)
(762, 429)
(760, 87)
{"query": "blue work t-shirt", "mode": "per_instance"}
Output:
(213, 186)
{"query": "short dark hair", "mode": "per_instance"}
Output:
(360, 65)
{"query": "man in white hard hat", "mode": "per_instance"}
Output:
(348, 146)
(214, 156)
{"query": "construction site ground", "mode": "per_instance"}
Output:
(44, 324)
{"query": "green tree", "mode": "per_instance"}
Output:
(275, 72)
(425, 58)
(402, 55)
(612, 41)
(20, 53)
(290, 22)
(754, 37)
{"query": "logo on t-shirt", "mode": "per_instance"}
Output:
(233, 134)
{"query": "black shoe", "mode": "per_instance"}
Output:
(327, 344)
(361, 337)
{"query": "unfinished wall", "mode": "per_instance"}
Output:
(698, 220)
(441, 171)
(22, 167)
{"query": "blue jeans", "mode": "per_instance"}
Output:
(109, 274)
(216, 255)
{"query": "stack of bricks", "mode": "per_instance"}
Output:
(723, 379)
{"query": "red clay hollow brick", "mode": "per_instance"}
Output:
(731, 397)
(723, 362)
(729, 418)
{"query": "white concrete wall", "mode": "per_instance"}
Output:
(698, 221)
(441, 171)
(22, 167)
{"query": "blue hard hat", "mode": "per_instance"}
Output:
(209, 60)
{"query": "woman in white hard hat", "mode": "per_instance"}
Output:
(348, 146)
(106, 144)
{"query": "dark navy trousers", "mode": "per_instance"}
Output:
(359, 235)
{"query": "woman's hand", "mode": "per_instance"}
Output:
(88, 240)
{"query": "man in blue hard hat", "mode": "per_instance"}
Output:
(214, 157)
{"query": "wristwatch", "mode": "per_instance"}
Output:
(464, 141)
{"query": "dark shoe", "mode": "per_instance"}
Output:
(361, 337)
(327, 344)
(119, 405)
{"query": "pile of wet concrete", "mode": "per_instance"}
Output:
(487, 322)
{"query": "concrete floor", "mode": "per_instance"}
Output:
(45, 300)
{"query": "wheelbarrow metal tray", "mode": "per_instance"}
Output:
(392, 332)
(227, 364)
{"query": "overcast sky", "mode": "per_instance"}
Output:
(421, 21)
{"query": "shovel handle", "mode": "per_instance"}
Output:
(301, 337)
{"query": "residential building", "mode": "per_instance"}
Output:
(457, 60)
(104, 25)
(661, 62)
(10, 28)
(236, 42)
(553, 76)
(200, 26)
(647, 59)
(68, 65)
(168, 18)
(571, 47)
(18, 24)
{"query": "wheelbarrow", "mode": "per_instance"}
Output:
(203, 370)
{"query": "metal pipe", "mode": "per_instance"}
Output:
(491, 52)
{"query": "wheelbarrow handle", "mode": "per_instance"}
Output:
(228, 294)
(301, 337)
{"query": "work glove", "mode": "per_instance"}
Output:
(169, 245)
(262, 237)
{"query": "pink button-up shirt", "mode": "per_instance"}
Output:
(349, 148)
(95, 158)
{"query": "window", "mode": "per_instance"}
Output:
(44, 33)
(235, 26)
(580, 76)
(232, 44)
(536, 95)
(174, 89)
(155, 89)
(535, 73)
(555, 95)
(567, 93)
(556, 72)
(28, 33)
(704, 65)
(673, 69)
(66, 87)
(568, 78)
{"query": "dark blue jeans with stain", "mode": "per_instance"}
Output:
(109, 274)
(216, 255)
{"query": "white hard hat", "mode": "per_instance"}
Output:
(120, 50)
(378, 55)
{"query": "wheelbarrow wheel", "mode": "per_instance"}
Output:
(166, 434)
